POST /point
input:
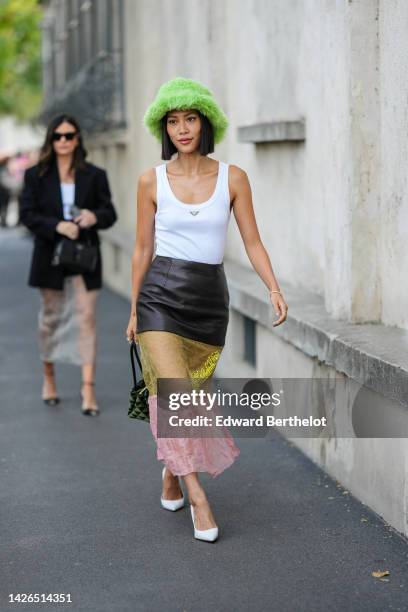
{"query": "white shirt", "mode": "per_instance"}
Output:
(196, 232)
(68, 198)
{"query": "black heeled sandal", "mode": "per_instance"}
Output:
(88, 410)
(51, 401)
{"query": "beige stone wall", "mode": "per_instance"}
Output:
(332, 211)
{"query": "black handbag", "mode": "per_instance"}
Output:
(139, 394)
(75, 255)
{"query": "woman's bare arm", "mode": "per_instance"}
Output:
(144, 243)
(240, 190)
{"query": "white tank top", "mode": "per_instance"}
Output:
(196, 232)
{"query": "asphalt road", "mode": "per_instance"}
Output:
(80, 510)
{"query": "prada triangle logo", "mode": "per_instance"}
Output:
(194, 212)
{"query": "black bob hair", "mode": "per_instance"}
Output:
(206, 140)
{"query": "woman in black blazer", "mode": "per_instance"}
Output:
(54, 190)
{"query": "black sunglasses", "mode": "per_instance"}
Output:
(68, 135)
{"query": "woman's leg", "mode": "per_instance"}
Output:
(48, 320)
(85, 306)
(166, 355)
(171, 486)
(203, 516)
(49, 390)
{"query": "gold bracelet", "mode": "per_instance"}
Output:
(274, 291)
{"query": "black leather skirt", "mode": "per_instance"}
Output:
(185, 297)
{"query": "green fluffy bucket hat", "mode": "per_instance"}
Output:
(183, 94)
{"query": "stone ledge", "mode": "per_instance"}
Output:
(372, 354)
(273, 131)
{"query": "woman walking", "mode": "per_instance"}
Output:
(180, 300)
(65, 196)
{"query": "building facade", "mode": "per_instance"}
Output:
(317, 111)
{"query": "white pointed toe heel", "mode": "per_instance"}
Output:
(171, 504)
(209, 535)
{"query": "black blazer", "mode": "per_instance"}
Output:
(41, 210)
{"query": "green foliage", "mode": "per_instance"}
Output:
(20, 58)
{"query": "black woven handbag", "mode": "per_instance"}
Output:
(139, 394)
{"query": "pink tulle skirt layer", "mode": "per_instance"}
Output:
(196, 454)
